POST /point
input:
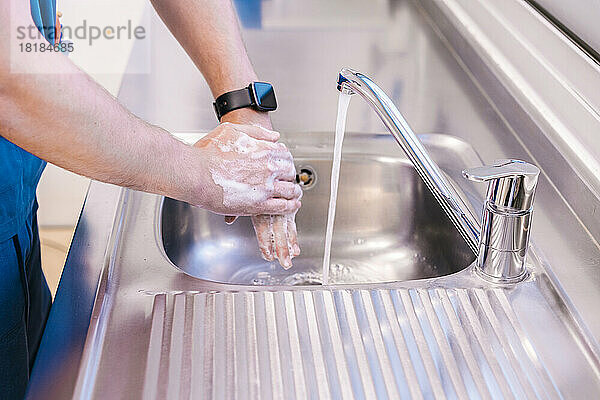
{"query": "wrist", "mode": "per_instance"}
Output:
(191, 183)
(231, 85)
(176, 169)
(247, 105)
(248, 116)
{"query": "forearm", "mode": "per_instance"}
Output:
(209, 32)
(69, 120)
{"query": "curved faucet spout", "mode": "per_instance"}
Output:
(351, 82)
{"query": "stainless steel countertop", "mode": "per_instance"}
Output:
(437, 92)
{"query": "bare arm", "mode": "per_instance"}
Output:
(69, 120)
(208, 30)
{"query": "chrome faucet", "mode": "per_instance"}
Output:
(506, 219)
(507, 211)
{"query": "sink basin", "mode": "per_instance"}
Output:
(388, 226)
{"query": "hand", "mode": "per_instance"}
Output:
(276, 234)
(246, 116)
(277, 237)
(249, 174)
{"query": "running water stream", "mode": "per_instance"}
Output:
(340, 127)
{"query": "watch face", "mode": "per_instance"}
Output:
(264, 96)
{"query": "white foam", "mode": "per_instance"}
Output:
(238, 195)
(238, 176)
(243, 144)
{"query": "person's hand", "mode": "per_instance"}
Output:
(247, 116)
(276, 234)
(249, 173)
(277, 237)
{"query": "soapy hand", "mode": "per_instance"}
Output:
(271, 231)
(250, 174)
(276, 234)
(277, 237)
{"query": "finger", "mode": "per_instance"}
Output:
(258, 132)
(276, 206)
(293, 236)
(281, 241)
(263, 227)
(230, 219)
(287, 190)
(286, 172)
(279, 151)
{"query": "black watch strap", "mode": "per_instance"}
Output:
(258, 95)
(232, 101)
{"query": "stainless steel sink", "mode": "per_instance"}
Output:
(388, 225)
(158, 332)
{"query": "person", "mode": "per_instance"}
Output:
(52, 111)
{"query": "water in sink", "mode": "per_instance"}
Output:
(348, 271)
(340, 272)
(340, 128)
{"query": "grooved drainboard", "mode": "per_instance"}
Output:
(419, 343)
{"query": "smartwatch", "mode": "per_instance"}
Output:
(258, 95)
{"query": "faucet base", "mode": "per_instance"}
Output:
(500, 280)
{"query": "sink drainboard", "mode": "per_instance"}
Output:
(382, 343)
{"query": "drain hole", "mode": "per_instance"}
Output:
(306, 177)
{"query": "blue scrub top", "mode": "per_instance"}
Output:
(20, 171)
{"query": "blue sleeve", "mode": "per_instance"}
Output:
(43, 13)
